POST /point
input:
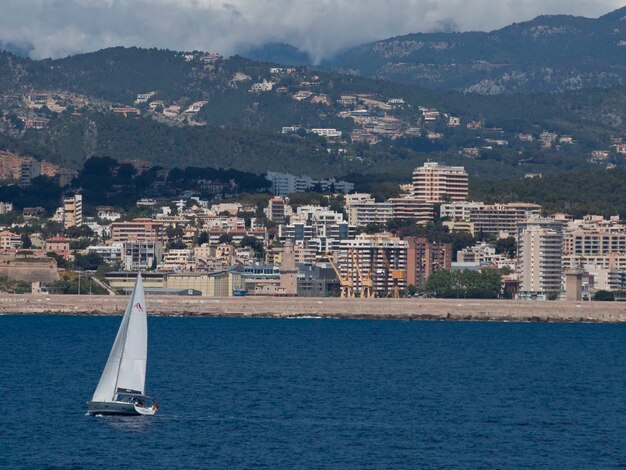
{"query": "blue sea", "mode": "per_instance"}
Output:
(266, 393)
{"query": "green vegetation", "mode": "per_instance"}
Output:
(14, 287)
(604, 295)
(575, 193)
(43, 192)
(69, 284)
(447, 283)
(242, 130)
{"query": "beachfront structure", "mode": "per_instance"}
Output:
(377, 257)
(539, 257)
(434, 182)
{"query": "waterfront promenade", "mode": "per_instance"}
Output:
(284, 307)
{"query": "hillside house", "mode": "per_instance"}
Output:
(261, 87)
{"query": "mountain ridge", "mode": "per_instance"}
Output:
(113, 103)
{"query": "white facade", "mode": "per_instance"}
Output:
(284, 184)
(330, 133)
(539, 256)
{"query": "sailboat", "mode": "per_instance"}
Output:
(121, 389)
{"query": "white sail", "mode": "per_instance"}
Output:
(126, 365)
(132, 372)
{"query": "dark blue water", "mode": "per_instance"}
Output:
(242, 393)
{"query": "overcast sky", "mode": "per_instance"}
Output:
(58, 28)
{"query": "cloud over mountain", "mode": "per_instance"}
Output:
(319, 27)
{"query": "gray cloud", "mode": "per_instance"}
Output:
(57, 28)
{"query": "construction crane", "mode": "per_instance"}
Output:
(347, 288)
(396, 274)
(367, 284)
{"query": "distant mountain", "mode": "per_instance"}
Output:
(547, 54)
(278, 53)
(197, 109)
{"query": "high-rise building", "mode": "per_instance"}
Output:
(540, 257)
(29, 170)
(380, 259)
(72, 211)
(276, 210)
(424, 258)
(440, 183)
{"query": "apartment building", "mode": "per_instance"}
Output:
(484, 254)
(498, 219)
(304, 232)
(424, 258)
(434, 182)
(412, 208)
(29, 170)
(111, 254)
(142, 254)
(9, 240)
(284, 184)
(539, 257)
(72, 211)
(142, 229)
(381, 258)
(362, 209)
(276, 210)
(595, 236)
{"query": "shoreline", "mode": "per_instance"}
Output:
(322, 307)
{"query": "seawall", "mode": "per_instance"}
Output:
(277, 307)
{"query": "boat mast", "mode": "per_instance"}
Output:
(130, 312)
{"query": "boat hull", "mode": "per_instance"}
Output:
(116, 408)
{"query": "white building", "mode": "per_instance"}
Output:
(141, 254)
(328, 133)
(110, 254)
(381, 258)
(498, 219)
(261, 87)
(362, 209)
(539, 257)
(195, 107)
(284, 184)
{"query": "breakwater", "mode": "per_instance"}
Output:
(290, 307)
